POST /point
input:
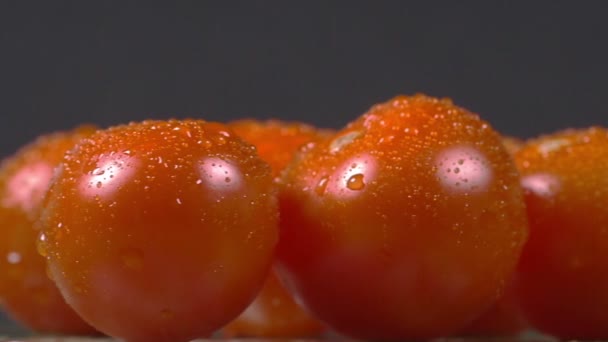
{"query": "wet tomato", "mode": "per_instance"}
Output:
(405, 225)
(29, 295)
(563, 274)
(274, 313)
(160, 230)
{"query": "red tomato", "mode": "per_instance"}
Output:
(28, 294)
(274, 313)
(160, 230)
(563, 274)
(406, 225)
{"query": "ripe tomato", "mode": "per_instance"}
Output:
(563, 274)
(160, 230)
(406, 225)
(274, 313)
(29, 295)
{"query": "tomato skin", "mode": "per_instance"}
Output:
(512, 144)
(406, 225)
(563, 273)
(274, 313)
(160, 230)
(505, 317)
(277, 141)
(28, 294)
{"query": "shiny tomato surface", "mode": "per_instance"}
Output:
(563, 275)
(160, 230)
(512, 144)
(505, 317)
(406, 225)
(274, 313)
(28, 294)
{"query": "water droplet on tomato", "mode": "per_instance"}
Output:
(42, 245)
(355, 182)
(321, 186)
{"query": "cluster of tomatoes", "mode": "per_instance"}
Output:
(417, 220)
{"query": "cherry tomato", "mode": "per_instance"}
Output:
(563, 274)
(405, 225)
(29, 295)
(274, 313)
(160, 230)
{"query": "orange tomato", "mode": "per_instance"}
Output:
(160, 230)
(563, 274)
(406, 225)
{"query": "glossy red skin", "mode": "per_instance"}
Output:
(274, 313)
(29, 295)
(406, 225)
(505, 317)
(160, 230)
(563, 274)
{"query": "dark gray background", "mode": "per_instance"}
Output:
(527, 67)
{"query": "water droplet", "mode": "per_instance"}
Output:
(41, 245)
(321, 186)
(98, 172)
(132, 258)
(355, 182)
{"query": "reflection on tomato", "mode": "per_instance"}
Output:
(563, 274)
(274, 313)
(161, 230)
(28, 294)
(406, 225)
